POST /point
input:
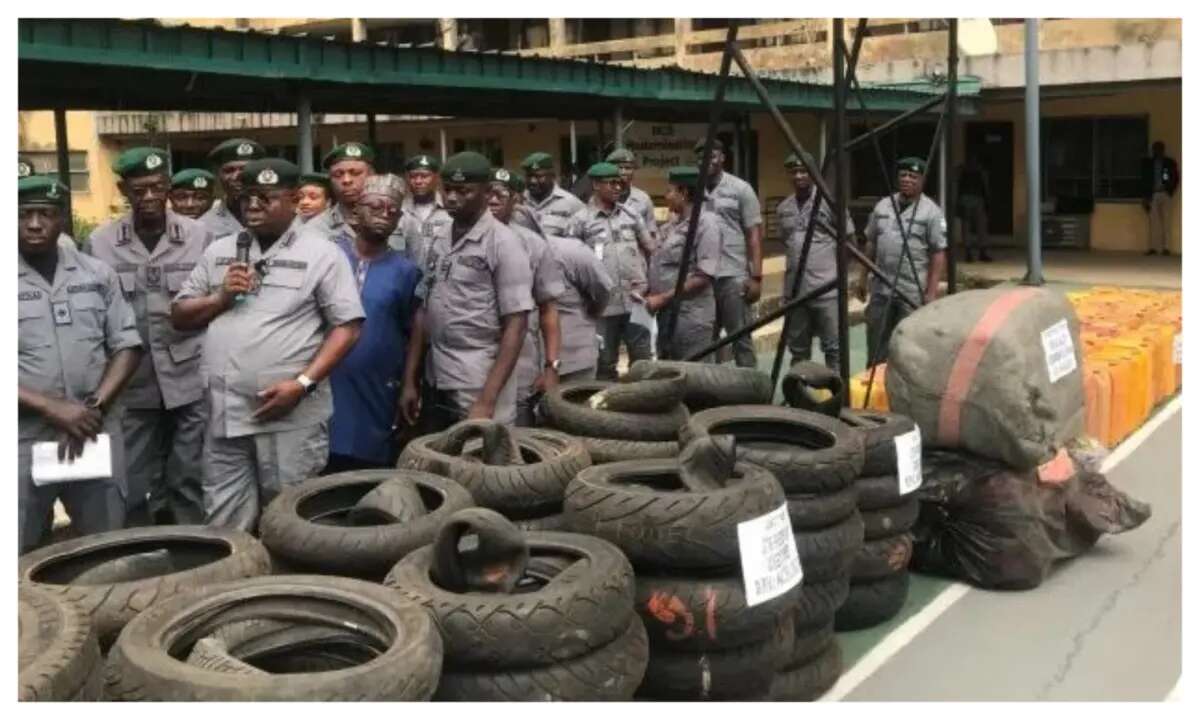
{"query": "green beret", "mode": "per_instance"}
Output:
(234, 150)
(41, 190)
(717, 145)
(793, 161)
(604, 171)
(349, 151)
(467, 167)
(510, 180)
(422, 162)
(270, 173)
(142, 161)
(912, 164)
(24, 167)
(316, 178)
(538, 161)
(683, 175)
(193, 179)
(621, 155)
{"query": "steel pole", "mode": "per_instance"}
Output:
(304, 125)
(63, 152)
(1033, 165)
(842, 185)
(950, 176)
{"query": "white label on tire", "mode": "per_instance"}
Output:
(908, 460)
(770, 563)
(1060, 351)
(1179, 349)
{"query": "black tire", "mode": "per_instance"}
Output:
(880, 558)
(738, 673)
(292, 526)
(879, 492)
(809, 682)
(478, 551)
(549, 523)
(807, 452)
(610, 673)
(818, 602)
(577, 611)
(604, 450)
(657, 392)
(891, 521)
(809, 643)
(829, 553)
(704, 614)
(57, 651)
(392, 501)
(289, 646)
(871, 603)
(203, 555)
(405, 665)
(816, 511)
(668, 529)
(878, 431)
(709, 385)
(566, 408)
(529, 489)
(804, 376)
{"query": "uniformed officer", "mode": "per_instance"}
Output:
(537, 368)
(227, 160)
(424, 211)
(632, 196)
(348, 165)
(739, 278)
(476, 294)
(314, 196)
(587, 289)
(276, 327)
(153, 250)
(366, 384)
(77, 345)
(553, 205)
(192, 192)
(698, 308)
(619, 238)
(925, 226)
(819, 316)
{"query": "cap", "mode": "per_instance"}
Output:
(141, 161)
(621, 155)
(538, 161)
(511, 180)
(24, 167)
(911, 164)
(683, 175)
(348, 151)
(270, 173)
(468, 167)
(315, 178)
(236, 149)
(793, 161)
(193, 179)
(41, 190)
(386, 184)
(422, 162)
(717, 145)
(604, 171)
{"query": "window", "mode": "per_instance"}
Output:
(488, 147)
(909, 139)
(46, 163)
(1093, 158)
(1121, 144)
(390, 158)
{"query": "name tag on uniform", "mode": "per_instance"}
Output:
(62, 313)
(599, 247)
(628, 235)
(153, 276)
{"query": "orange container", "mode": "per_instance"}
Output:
(1131, 376)
(858, 389)
(1097, 386)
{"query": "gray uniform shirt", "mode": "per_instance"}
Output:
(586, 284)
(67, 331)
(613, 236)
(469, 285)
(926, 227)
(641, 204)
(220, 221)
(555, 211)
(821, 265)
(737, 209)
(169, 373)
(273, 333)
(699, 309)
(547, 287)
(419, 226)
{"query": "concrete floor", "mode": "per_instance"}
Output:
(1077, 267)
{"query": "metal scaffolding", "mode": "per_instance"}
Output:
(844, 62)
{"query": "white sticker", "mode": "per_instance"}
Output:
(908, 460)
(1179, 349)
(1060, 351)
(770, 563)
(599, 248)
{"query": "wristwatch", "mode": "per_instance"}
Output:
(553, 365)
(307, 383)
(93, 403)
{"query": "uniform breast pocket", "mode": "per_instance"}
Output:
(726, 205)
(186, 349)
(279, 290)
(470, 271)
(87, 315)
(34, 327)
(128, 283)
(175, 281)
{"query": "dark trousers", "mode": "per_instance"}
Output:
(733, 314)
(819, 318)
(882, 319)
(614, 329)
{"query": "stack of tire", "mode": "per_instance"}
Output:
(677, 522)
(357, 524)
(521, 473)
(707, 385)
(58, 654)
(526, 615)
(816, 460)
(879, 577)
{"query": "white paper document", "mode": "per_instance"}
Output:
(95, 463)
(770, 563)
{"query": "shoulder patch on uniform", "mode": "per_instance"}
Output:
(177, 267)
(224, 260)
(126, 267)
(474, 262)
(285, 263)
(30, 295)
(85, 287)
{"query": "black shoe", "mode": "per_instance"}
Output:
(984, 257)
(1151, 252)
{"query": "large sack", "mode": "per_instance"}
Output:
(997, 528)
(989, 371)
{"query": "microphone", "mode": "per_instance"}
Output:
(243, 256)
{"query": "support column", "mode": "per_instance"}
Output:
(1033, 167)
(683, 27)
(447, 33)
(64, 163)
(442, 135)
(372, 137)
(950, 179)
(358, 30)
(304, 125)
(574, 147)
(842, 188)
(618, 126)
(558, 34)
